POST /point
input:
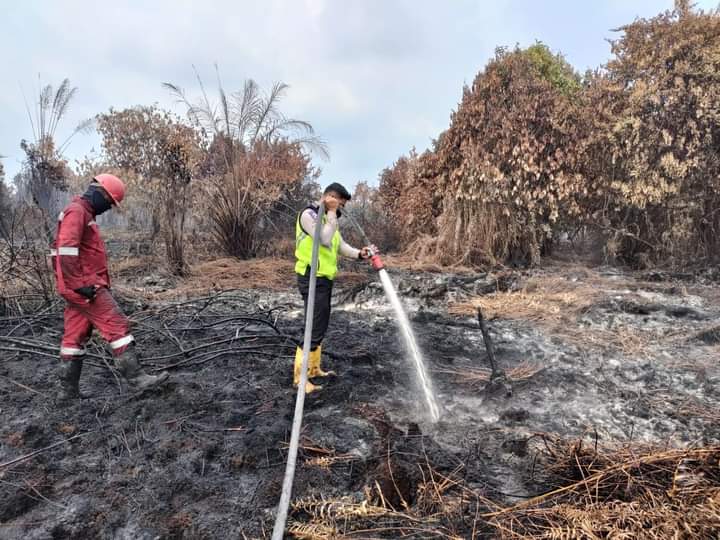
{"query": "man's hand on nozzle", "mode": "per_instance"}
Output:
(88, 292)
(369, 251)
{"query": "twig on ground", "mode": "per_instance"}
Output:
(24, 387)
(36, 452)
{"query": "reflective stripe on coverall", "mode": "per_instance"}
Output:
(80, 260)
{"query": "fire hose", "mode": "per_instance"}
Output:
(283, 506)
(377, 264)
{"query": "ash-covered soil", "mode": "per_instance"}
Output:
(204, 456)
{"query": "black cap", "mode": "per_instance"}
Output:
(339, 189)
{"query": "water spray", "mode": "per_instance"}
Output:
(405, 328)
(284, 504)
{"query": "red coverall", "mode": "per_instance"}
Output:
(79, 260)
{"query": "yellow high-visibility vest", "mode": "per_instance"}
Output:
(327, 257)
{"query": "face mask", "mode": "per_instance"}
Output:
(97, 200)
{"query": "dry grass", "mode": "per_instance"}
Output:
(415, 263)
(699, 409)
(699, 360)
(219, 274)
(627, 492)
(371, 517)
(134, 267)
(544, 298)
(632, 342)
(556, 304)
(474, 375)
(230, 273)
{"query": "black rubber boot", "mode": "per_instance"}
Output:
(69, 375)
(129, 367)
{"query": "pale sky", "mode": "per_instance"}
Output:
(374, 77)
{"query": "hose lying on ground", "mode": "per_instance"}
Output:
(282, 511)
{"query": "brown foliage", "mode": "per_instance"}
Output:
(44, 174)
(659, 102)
(619, 492)
(162, 155)
(509, 162)
(257, 162)
(408, 195)
(367, 208)
(244, 196)
(505, 170)
(534, 153)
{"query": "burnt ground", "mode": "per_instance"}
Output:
(204, 456)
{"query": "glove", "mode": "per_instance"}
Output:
(88, 292)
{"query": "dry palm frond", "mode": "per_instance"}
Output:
(312, 531)
(325, 462)
(628, 492)
(434, 493)
(440, 498)
(344, 507)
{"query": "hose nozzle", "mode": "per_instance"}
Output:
(376, 261)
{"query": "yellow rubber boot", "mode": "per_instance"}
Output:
(309, 387)
(314, 362)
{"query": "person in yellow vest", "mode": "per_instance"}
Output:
(334, 198)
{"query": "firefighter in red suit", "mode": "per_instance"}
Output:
(80, 263)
